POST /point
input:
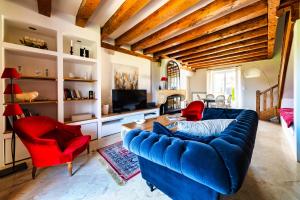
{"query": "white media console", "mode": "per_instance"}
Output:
(112, 123)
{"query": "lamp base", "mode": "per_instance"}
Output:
(11, 170)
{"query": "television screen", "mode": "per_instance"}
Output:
(128, 100)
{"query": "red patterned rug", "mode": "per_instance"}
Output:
(122, 163)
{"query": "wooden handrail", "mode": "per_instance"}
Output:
(267, 90)
(268, 110)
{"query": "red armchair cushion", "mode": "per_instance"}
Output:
(193, 112)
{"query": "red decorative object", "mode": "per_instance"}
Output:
(164, 78)
(13, 89)
(194, 111)
(288, 115)
(13, 110)
(50, 142)
(10, 73)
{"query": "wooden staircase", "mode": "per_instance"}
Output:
(267, 103)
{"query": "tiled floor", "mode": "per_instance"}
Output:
(273, 175)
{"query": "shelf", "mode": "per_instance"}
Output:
(68, 120)
(79, 100)
(38, 78)
(79, 80)
(35, 102)
(78, 59)
(29, 51)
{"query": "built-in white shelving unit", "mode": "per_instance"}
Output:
(49, 72)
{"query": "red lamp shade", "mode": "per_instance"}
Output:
(12, 89)
(10, 73)
(13, 109)
(164, 78)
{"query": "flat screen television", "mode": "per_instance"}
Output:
(128, 100)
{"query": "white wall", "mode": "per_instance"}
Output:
(155, 79)
(269, 77)
(198, 81)
(296, 50)
(109, 58)
(288, 94)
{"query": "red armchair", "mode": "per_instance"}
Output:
(193, 112)
(50, 142)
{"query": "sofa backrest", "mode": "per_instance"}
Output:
(34, 127)
(220, 113)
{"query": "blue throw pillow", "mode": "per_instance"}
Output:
(162, 130)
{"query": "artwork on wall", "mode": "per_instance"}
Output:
(125, 77)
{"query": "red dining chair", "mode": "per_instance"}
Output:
(193, 112)
(50, 142)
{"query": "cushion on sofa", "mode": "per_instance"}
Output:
(204, 128)
(162, 130)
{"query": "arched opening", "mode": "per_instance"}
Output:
(173, 74)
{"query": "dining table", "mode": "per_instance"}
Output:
(208, 101)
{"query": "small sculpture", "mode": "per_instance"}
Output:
(27, 96)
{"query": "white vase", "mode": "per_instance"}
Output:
(105, 109)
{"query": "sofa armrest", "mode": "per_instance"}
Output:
(195, 160)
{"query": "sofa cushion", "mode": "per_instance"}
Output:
(54, 134)
(162, 130)
(220, 113)
(204, 128)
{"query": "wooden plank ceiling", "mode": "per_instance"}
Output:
(219, 32)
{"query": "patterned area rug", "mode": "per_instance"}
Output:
(122, 164)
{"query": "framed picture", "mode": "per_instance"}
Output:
(196, 96)
(125, 77)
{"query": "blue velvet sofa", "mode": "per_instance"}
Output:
(186, 169)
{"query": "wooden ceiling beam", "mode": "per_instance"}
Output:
(128, 9)
(237, 61)
(231, 47)
(44, 7)
(262, 51)
(213, 9)
(241, 15)
(230, 59)
(220, 43)
(272, 25)
(227, 53)
(126, 51)
(219, 35)
(163, 14)
(85, 11)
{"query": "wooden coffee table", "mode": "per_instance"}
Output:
(148, 124)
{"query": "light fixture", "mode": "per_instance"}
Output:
(252, 73)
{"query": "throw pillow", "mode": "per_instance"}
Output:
(162, 130)
(204, 128)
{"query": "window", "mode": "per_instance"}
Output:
(224, 82)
